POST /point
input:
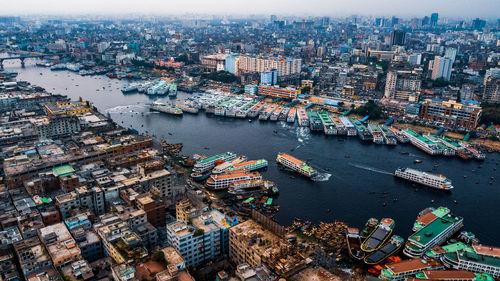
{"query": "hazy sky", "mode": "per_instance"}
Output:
(446, 8)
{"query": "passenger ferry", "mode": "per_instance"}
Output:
(223, 181)
(328, 125)
(251, 165)
(132, 87)
(399, 135)
(221, 168)
(291, 115)
(284, 114)
(434, 233)
(351, 130)
(315, 123)
(303, 120)
(209, 163)
(428, 215)
(276, 113)
(341, 129)
(421, 142)
(376, 132)
(166, 108)
(378, 236)
(296, 164)
(435, 181)
(389, 136)
(363, 132)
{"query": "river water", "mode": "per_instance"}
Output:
(351, 189)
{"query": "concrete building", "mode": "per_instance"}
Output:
(212, 63)
(155, 210)
(231, 64)
(451, 114)
(82, 198)
(491, 91)
(56, 126)
(441, 68)
(269, 77)
(89, 243)
(398, 37)
(284, 67)
(32, 256)
(400, 84)
(60, 245)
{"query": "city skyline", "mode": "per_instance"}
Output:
(335, 8)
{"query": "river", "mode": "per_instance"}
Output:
(352, 189)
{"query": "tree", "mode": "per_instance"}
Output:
(198, 232)
(159, 257)
(305, 90)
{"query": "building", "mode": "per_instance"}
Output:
(231, 64)
(212, 63)
(60, 245)
(450, 53)
(251, 89)
(399, 271)
(89, 243)
(155, 210)
(401, 84)
(83, 197)
(415, 59)
(284, 67)
(123, 272)
(434, 19)
(269, 77)
(451, 114)
(32, 256)
(288, 93)
(172, 256)
(441, 68)
(68, 107)
(398, 37)
(491, 91)
(201, 241)
(56, 126)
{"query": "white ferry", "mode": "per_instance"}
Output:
(431, 180)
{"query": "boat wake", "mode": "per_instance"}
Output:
(126, 108)
(368, 168)
(303, 136)
(321, 177)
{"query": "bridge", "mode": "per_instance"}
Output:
(22, 55)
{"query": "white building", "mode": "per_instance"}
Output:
(441, 68)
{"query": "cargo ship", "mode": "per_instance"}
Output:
(291, 115)
(378, 236)
(302, 118)
(296, 165)
(251, 165)
(435, 181)
(221, 168)
(223, 181)
(428, 215)
(434, 233)
(166, 108)
(354, 244)
(369, 227)
(387, 250)
(207, 164)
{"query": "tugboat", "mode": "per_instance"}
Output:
(354, 244)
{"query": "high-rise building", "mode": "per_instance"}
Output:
(269, 77)
(491, 89)
(285, 67)
(450, 53)
(398, 37)
(478, 24)
(415, 59)
(434, 19)
(400, 84)
(231, 64)
(425, 21)
(394, 21)
(273, 18)
(441, 68)
(451, 114)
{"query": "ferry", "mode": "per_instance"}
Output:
(296, 164)
(221, 168)
(419, 141)
(435, 181)
(132, 87)
(363, 132)
(351, 130)
(341, 129)
(172, 90)
(378, 236)
(166, 108)
(388, 135)
(302, 118)
(256, 109)
(434, 233)
(328, 125)
(399, 135)
(376, 132)
(144, 87)
(223, 181)
(251, 165)
(209, 163)
(369, 227)
(266, 113)
(428, 215)
(387, 250)
(284, 114)
(199, 176)
(315, 123)
(476, 153)
(354, 244)
(251, 186)
(188, 108)
(291, 115)
(276, 113)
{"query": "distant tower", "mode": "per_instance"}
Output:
(398, 37)
(434, 19)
